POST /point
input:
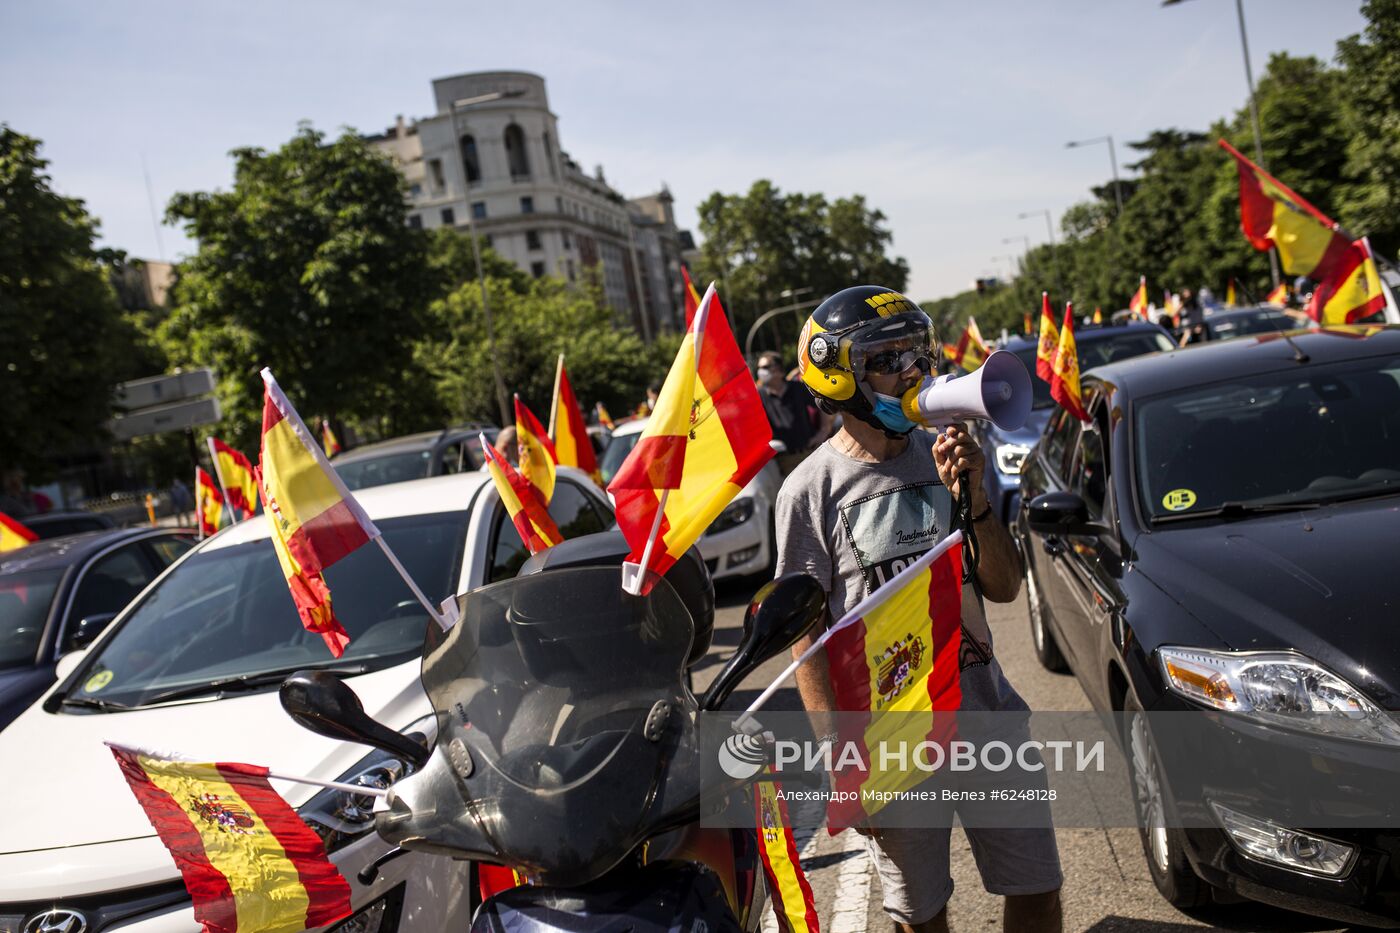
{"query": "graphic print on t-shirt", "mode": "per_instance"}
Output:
(891, 530)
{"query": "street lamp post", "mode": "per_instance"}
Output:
(1113, 161)
(459, 160)
(1253, 113)
(769, 315)
(1026, 254)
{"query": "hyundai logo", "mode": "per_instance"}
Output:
(57, 921)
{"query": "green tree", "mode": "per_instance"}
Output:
(66, 343)
(307, 266)
(1371, 203)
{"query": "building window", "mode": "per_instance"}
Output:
(559, 204)
(415, 222)
(537, 269)
(532, 239)
(435, 169)
(470, 161)
(516, 156)
(527, 205)
(568, 240)
(569, 265)
(478, 210)
(415, 190)
(448, 217)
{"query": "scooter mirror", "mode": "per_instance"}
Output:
(781, 612)
(325, 704)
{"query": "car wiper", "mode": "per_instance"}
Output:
(106, 706)
(1237, 510)
(247, 682)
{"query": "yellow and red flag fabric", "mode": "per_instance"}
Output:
(14, 535)
(208, 503)
(1139, 303)
(1279, 296)
(572, 445)
(537, 457)
(1272, 214)
(1098, 315)
(794, 907)
(692, 297)
(1354, 291)
(971, 350)
(1049, 340)
(235, 472)
(894, 661)
(707, 437)
(329, 441)
(1026, 324)
(527, 513)
(314, 519)
(1064, 381)
(248, 861)
(1230, 300)
(604, 418)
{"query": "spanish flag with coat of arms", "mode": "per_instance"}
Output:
(707, 437)
(1049, 340)
(1064, 369)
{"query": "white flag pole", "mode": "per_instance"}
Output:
(634, 575)
(198, 508)
(554, 399)
(861, 609)
(276, 775)
(218, 475)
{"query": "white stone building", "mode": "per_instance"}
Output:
(497, 165)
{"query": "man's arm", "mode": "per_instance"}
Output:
(998, 564)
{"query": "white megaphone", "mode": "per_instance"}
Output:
(998, 391)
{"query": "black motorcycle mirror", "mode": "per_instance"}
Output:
(781, 613)
(325, 704)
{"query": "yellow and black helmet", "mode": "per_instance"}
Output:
(867, 328)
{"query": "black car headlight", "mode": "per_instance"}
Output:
(734, 515)
(1277, 687)
(1010, 457)
(340, 817)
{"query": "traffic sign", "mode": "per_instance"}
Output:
(162, 390)
(177, 416)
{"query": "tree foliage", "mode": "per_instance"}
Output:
(66, 343)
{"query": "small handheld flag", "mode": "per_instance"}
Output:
(1139, 303)
(14, 535)
(604, 418)
(208, 503)
(328, 439)
(1279, 296)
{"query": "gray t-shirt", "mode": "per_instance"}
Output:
(853, 525)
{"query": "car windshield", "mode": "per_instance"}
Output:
(1095, 351)
(227, 613)
(1306, 435)
(24, 607)
(618, 448)
(379, 471)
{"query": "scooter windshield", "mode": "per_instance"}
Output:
(562, 712)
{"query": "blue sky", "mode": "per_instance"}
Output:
(951, 117)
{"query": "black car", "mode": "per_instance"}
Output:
(58, 524)
(57, 595)
(414, 456)
(1221, 539)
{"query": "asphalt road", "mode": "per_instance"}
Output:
(1107, 888)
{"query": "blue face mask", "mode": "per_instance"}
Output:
(891, 414)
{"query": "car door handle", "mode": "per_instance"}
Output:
(1053, 546)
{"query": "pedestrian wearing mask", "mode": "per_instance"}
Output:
(792, 413)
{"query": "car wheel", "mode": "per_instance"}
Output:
(1047, 650)
(1162, 844)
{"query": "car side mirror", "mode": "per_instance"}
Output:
(781, 612)
(1062, 513)
(325, 704)
(87, 629)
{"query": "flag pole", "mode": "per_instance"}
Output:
(333, 785)
(198, 510)
(554, 399)
(438, 617)
(218, 475)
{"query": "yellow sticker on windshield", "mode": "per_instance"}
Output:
(1178, 500)
(97, 681)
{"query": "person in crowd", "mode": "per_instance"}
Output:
(1192, 319)
(792, 413)
(506, 446)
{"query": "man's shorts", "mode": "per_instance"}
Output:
(1019, 856)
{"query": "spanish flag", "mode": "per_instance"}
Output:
(314, 519)
(248, 861)
(707, 437)
(13, 535)
(527, 513)
(794, 907)
(537, 457)
(208, 503)
(1098, 315)
(1139, 303)
(1064, 381)
(328, 439)
(1026, 324)
(1272, 214)
(571, 442)
(692, 297)
(1049, 340)
(971, 350)
(1353, 293)
(604, 418)
(1230, 301)
(1278, 296)
(235, 473)
(896, 655)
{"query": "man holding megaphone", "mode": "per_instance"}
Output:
(871, 501)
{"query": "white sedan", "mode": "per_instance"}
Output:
(740, 541)
(192, 666)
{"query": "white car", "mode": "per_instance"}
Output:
(192, 666)
(740, 541)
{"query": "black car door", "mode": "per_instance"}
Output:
(1048, 471)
